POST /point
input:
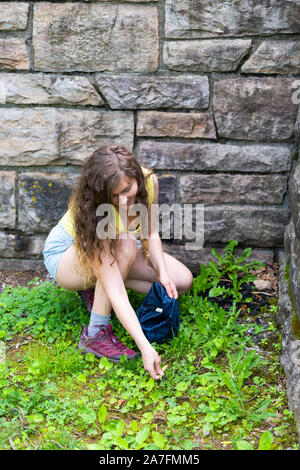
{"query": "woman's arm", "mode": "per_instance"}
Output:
(155, 246)
(158, 262)
(111, 280)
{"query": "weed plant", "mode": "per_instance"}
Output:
(221, 390)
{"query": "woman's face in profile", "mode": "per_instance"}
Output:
(124, 193)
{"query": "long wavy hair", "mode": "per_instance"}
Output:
(100, 175)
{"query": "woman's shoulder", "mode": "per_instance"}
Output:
(149, 176)
(149, 182)
(146, 170)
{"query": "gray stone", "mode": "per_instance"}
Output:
(167, 189)
(215, 55)
(40, 136)
(43, 199)
(82, 132)
(255, 226)
(274, 56)
(252, 225)
(194, 258)
(215, 156)
(13, 16)
(21, 245)
(221, 188)
(31, 139)
(95, 37)
(297, 123)
(290, 359)
(151, 92)
(126, 1)
(185, 125)
(13, 54)
(210, 18)
(284, 301)
(165, 227)
(39, 88)
(292, 248)
(255, 108)
(262, 285)
(12, 264)
(121, 1)
(7, 241)
(7, 199)
(294, 190)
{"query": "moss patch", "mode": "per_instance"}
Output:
(287, 279)
(287, 272)
(295, 324)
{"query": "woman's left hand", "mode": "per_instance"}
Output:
(168, 284)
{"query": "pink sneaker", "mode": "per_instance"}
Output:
(105, 344)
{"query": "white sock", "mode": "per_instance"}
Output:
(97, 321)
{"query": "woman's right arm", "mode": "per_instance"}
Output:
(111, 280)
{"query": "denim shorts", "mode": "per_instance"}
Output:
(56, 244)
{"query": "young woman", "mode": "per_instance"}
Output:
(78, 259)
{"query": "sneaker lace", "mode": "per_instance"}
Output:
(114, 340)
(106, 331)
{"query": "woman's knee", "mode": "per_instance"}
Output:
(180, 274)
(186, 282)
(189, 280)
(127, 248)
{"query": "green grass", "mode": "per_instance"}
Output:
(220, 391)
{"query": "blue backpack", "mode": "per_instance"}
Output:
(159, 315)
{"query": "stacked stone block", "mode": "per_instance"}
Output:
(289, 291)
(201, 90)
(292, 232)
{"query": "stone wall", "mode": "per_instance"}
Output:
(292, 232)
(289, 291)
(200, 90)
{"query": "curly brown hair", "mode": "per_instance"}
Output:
(100, 175)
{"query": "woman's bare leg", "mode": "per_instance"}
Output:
(136, 275)
(67, 277)
(125, 257)
(98, 337)
(141, 276)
